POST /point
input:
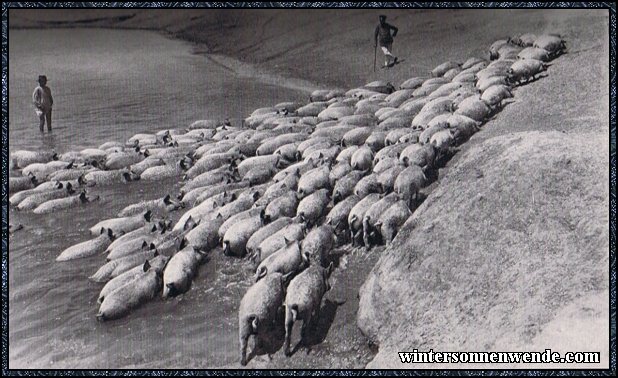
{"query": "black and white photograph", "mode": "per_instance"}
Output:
(305, 186)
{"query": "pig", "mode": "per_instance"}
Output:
(324, 155)
(409, 182)
(122, 224)
(236, 238)
(180, 270)
(356, 137)
(393, 136)
(385, 164)
(276, 241)
(412, 83)
(235, 219)
(88, 248)
(204, 237)
(421, 155)
(303, 300)
(312, 207)
(429, 131)
(17, 184)
(525, 69)
(143, 165)
(391, 221)
(450, 74)
(258, 310)
(118, 266)
(213, 177)
(534, 53)
(398, 97)
(355, 218)
(288, 151)
(345, 156)
(289, 259)
(318, 243)
(270, 146)
(338, 216)
(244, 202)
(164, 205)
(443, 68)
(552, 43)
(371, 234)
(268, 161)
(314, 180)
(525, 40)
(157, 262)
(475, 108)
(338, 171)
(376, 140)
(362, 159)
(494, 94)
(386, 179)
(366, 185)
(122, 300)
(37, 198)
(259, 175)
(283, 206)
(264, 232)
(18, 197)
(23, 158)
(100, 178)
(64, 203)
(444, 141)
(273, 192)
(204, 208)
(345, 186)
(389, 151)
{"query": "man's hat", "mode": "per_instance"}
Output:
(42, 77)
(382, 16)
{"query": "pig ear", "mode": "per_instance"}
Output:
(102, 230)
(256, 195)
(254, 323)
(146, 266)
(152, 246)
(305, 257)
(156, 253)
(110, 234)
(261, 273)
(183, 243)
(188, 223)
(144, 244)
(329, 270)
(287, 277)
(234, 196)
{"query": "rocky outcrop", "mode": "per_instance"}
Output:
(513, 233)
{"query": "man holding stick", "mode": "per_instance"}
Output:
(383, 31)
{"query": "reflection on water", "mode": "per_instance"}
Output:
(108, 85)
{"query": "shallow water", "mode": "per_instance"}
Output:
(109, 85)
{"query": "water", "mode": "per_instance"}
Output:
(109, 85)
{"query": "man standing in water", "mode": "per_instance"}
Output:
(386, 40)
(43, 101)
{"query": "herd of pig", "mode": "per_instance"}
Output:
(284, 189)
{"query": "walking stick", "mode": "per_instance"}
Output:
(375, 56)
